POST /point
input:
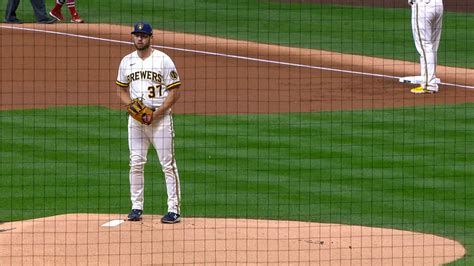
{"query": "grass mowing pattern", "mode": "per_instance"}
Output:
(380, 32)
(408, 168)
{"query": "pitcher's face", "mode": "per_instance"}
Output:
(141, 41)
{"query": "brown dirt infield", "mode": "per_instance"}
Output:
(79, 239)
(41, 69)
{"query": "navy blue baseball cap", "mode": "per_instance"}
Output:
(142, 27)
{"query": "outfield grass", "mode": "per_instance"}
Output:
(356, 30)
(407, 168)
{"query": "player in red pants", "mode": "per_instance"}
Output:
(71, 4)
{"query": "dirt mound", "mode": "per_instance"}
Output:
(79, 239)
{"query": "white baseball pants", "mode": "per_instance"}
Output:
(161, 135)
(426, 21)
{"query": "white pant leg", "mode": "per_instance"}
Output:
(163, 141)
(425, 36)
(438, 26)
(138, 144)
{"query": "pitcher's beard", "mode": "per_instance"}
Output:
(144, 47)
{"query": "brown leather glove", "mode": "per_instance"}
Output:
(140, 112)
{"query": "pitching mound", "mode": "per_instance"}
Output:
(79, 239)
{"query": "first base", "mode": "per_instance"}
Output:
(415, 80)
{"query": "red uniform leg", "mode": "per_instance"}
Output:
(71, 4)
(56, 11)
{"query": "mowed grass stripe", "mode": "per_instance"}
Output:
(408, 168)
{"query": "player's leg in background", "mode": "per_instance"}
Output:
(10, 12)
(138, 144)
(163, 141)
(429, 43)
(71, 4)
(437, 26)
(56, 11)
(417, 37)
(422, 20)
(39, 8)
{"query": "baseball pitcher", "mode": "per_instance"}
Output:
(148, 83)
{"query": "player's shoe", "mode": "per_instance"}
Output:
(171, 218)
(421, 90)
(13, 21)
(76, 19)
(47, 21)
(135, 215)
(56, 14)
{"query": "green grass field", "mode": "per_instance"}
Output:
(367, 31)
(407, 168)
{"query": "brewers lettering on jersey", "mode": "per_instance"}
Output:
(150, 75)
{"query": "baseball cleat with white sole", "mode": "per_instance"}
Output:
(135, 215)
(171, 218)
(76, 19)
(57, 15)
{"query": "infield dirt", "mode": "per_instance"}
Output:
(42, 68)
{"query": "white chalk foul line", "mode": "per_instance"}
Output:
(227, 55)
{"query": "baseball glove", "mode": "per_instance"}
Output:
(140, 112)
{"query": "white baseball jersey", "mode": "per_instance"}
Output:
(149, 79)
